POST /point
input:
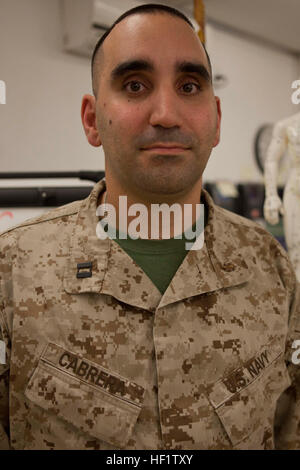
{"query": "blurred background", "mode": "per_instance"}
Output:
(45, 50)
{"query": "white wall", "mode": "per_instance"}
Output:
(40, 124)
(258, 92)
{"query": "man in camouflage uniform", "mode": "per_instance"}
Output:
(98, 355)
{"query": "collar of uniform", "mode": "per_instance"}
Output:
(227, 245)
(85, 247)
(113, 271)
(219, 263)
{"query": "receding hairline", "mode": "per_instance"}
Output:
(98, 55)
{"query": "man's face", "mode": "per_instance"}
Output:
(154, 90)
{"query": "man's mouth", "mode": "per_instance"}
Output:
(165, 148)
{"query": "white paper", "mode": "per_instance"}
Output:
(227, 189)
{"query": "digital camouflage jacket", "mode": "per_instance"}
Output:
(97, 358)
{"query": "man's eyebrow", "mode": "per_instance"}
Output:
(136, 65)
(194, 67)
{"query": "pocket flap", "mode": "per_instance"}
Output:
(243, 376)
(245, 400)
(92, 398)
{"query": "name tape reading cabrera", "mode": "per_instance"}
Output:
(2, 352)
(160, 222)
(92, 373)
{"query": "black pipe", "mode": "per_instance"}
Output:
(43, 196)
(82, 175)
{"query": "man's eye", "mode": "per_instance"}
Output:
(190, 88)
(134, 86)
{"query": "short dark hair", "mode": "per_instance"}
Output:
(148, 8)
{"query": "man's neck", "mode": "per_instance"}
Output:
(149, 222)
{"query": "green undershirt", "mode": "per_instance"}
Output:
(159, 259)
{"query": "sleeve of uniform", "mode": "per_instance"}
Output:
(5, 342)
(287, 418)
(4, 376)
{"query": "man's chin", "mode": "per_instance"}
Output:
(166, 183)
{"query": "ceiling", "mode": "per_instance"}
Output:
(274, 21)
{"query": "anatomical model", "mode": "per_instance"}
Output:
(286, 136)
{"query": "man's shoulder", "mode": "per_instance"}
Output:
(233, 221)
(236, 220)
(247, 230)
(259, 244)
(39, 224)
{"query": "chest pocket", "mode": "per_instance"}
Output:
(245, 401)
(94, 400)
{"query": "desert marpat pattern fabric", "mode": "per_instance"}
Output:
(97, 358)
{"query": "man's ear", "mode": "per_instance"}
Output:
(219, 115)
(88, 118)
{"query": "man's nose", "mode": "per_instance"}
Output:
(165, 108)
